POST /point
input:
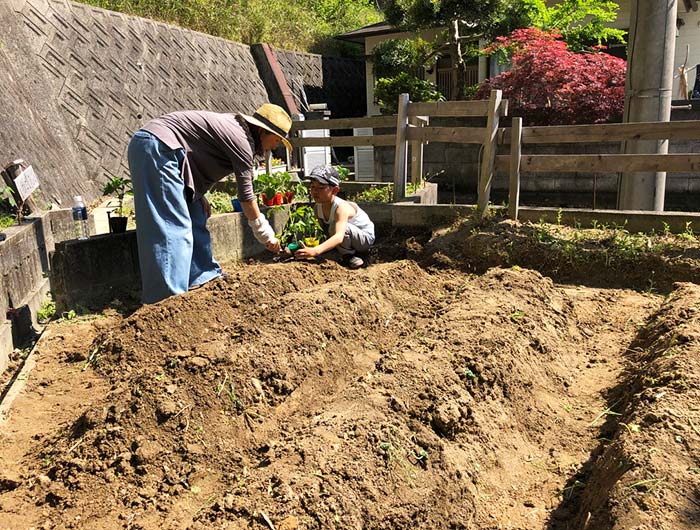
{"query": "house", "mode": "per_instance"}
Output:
(687, 34)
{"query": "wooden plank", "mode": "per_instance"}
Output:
(461, 135)
(401, 157)
(673, 163)
(449, 108)
(514, 173)
(334, 141)
(345, 123)
(612, 132)
(489, 158)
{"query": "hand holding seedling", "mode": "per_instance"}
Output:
(306, 252)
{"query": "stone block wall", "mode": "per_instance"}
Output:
(83, 79)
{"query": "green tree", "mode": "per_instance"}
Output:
(463, 19)
(302, 25)
(387, 91)
(581, 23)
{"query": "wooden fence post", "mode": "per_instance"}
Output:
(516, 132)
(489, 156)
(417, 153)
(401, 159)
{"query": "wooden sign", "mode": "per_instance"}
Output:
(22, 178)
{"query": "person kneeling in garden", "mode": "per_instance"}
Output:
(349, 228)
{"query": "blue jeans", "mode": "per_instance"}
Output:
(173, 241)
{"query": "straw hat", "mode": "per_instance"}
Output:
(274, 119)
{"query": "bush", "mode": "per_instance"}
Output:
(375, 194)
(220, 202)
(387, 91)
(550, 85)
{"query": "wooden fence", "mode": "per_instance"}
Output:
(411, 129)
(519, 136)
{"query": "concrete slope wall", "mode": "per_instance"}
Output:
(84, 79)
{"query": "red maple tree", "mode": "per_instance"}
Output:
(550, 85)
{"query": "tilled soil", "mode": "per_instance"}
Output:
(411, 394)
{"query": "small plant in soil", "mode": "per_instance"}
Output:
(9, 212)
(46, 311)
(301, 227)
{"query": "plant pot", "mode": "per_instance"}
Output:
(288, 197)
(294, 246)
(266, 201)
(236, 205)
(277, 199)
(117, 225)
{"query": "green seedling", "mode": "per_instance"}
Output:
(646, 486)
(517, 315)
(606, 412)
(568, 492)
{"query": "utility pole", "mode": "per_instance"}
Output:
(648, 94)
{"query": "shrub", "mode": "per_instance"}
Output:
(387, 91)
(375, 194)
(220, 202)
(550, 85)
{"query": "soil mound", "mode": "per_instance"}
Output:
(306, 396)
(597, 257)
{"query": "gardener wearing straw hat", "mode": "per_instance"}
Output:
(174, 160)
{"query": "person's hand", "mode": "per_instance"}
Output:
(273, 245)
(206, 207)
(306, 252)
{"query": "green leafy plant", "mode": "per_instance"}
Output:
(413, 187)
(7, 198)
(220, 202)
(387, 91)
(267, 185)
(375, 194)
(119, 187)
(343, 172)
(46, 311)
(301, 226)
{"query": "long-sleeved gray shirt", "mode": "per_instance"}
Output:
(216, 145)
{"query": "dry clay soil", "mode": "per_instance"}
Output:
(303, 395)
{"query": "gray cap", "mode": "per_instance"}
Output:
(327, 175)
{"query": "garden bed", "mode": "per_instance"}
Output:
(450, 385)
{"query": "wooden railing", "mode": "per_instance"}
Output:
(411, 129)
(599, 133)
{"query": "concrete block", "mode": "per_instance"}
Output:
(6, 343)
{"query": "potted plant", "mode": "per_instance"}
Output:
(301, 227)
(119, 187)
(269, 189)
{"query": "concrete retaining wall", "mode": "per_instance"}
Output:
(90, 273)
(82, 80)
(24, 284)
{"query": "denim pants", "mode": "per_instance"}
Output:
(173, 241)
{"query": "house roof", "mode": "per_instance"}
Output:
(359, 35)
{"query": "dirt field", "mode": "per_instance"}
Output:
(450, 385)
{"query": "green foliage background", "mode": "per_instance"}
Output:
(300, 25)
